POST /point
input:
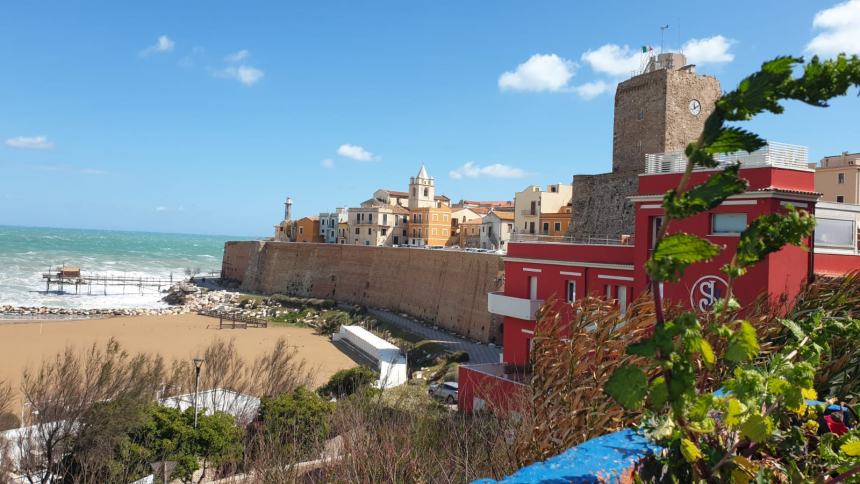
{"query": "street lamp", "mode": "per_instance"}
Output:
(198, 362)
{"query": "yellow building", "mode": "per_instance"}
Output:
(342, 232)
(837, 178)
(430, 226)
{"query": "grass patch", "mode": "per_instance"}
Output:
(293, 318)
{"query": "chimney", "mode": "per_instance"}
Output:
(288, 209)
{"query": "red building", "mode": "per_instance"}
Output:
(537, 270)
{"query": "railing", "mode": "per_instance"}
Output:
(575, 239)
(777, 155)
(529, 212)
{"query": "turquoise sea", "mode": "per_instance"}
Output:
(27, 252)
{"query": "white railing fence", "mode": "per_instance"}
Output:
(774, 154)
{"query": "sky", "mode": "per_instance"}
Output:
(203, 116)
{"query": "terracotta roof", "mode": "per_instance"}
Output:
(442, 197)
(485, 203)
(398, 209)
(504, 215)
(397, 194)
(474, 221)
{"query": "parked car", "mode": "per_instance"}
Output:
(444, 391)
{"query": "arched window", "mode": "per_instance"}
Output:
(426, 191)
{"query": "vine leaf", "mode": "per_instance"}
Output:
(690, 451)
(675, 252)
(757, 428)
(743, 344)
(851, 448)
(706, 196)
(628, 386)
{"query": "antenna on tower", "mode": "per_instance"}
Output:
(663, 29)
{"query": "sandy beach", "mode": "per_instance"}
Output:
(25, 343)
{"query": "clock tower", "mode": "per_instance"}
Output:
(660, 110)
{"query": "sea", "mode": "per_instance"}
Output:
(28, 252)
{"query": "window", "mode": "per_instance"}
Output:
(840, 178)
(426, 192)
(834, 233)
(369, 231)
(728, 223)
(301, 230)
(558, 226)
(435, 217)
(840, 199)
(533, 282)
(656, 223)
(404, 232)
(445, 217)
(546, 228)
(384, 219)
(525, 225)
(384, 232)
(357, 231)
(533, 208)
(366, 242)
(370, 218)
(444, 231)
(432, 231)
(571, 291)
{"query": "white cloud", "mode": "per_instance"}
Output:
(613, 59)
(327, 163)
(237, 56)
(711, 50)
(496, 170)
(356, 152)
(162, 45)
(30, 142)
(591, 90)
(840, 26)
(247, 75)
(161, 208)
(541, 72)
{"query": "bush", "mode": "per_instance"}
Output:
(332, 322)
(9, 420)
(346, 382)
(293, 423)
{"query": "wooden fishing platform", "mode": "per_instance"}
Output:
(72, 276)
(234, 320)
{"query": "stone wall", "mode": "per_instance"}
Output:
(600, 206)
(448, 288)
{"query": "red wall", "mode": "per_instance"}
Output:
(500, 394)
(836, 264)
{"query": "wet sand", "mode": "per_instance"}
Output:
(25, 343)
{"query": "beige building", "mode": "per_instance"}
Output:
(376, 223)
(530, 203)
(837, 178)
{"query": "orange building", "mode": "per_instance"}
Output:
(308, 229)
(430, 226)
(470, 233)
(555, 224)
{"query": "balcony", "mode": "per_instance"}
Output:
(775, 155)
(514, 307)
(627, 240)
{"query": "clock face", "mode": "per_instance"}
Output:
(695, 107)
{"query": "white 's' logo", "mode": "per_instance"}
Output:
(706, 291)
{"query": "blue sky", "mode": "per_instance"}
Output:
(202, 116)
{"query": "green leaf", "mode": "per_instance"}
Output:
(851, 448)
(706, 351)
(675, 252)
(760, 91)
(757, 428)
(734, 409)
(690, 451)
(706, 196)
(628, 386)
(646, 348)
(730, 140)
(743, 344)
(658, 394)
(769, 233)
(795, 329)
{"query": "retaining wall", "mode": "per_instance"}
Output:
(448, 288)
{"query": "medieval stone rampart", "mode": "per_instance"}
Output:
(448, 288)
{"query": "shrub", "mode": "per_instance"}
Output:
(332, 322)
(293, 423)
(347, 382)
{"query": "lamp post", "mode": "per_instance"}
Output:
(198, 362)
